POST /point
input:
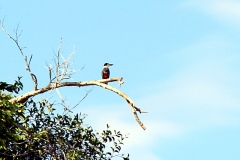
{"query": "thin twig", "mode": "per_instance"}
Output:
(63, 101)
(17, 35)
(87, 92)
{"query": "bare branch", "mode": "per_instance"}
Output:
(27, 95)
(64, 156)
(100, 83)
(63, 101)
(83, 98)
(17, 35)
(49, 67)
(61, 72)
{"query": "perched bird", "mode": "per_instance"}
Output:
(106, 71)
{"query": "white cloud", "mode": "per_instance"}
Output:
(122, 119)
(227, 10)
(140, 142)
(205, 92)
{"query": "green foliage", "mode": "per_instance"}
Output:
(36, 131)
(10, 114)
(12, 88)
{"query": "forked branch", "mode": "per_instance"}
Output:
(60, 73)
(17, 35)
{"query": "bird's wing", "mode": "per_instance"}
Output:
(105, 71)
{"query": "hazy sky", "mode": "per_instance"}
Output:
(180, 61)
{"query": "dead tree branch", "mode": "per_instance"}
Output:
(99, 83)
(87, 92)
(60, 73)
(17, 35)
(30, 94)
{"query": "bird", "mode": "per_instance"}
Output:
(106, 71)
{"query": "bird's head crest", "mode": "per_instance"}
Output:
(107, 64)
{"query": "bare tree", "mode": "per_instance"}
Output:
(60, 73)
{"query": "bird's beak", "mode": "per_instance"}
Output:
(110, 64)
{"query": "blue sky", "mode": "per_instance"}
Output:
(180, 61)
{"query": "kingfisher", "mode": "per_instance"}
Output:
(106, 71)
